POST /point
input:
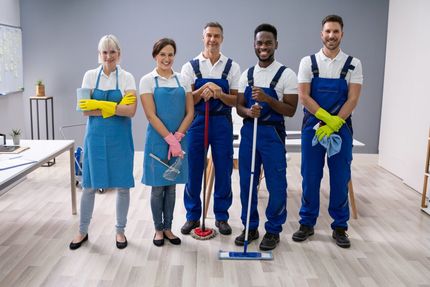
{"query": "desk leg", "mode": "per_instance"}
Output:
(72, 179)
(352, 200)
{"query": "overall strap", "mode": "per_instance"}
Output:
(347, 67)
(315, 69)
(98, 78)
(196, 67)
(226, 69)
(276, 78)
(177, 81)
(156, 81)
(251, 76)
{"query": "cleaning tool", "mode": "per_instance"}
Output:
(246, 255)
(204, 233)
(172, 171)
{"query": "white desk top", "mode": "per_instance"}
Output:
(40, 151)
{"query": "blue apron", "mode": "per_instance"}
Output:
(330, 94)
(221, 143)
(270, 151)
(108, 146)
(170, 109)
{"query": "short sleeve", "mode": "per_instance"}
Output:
(88, 80)
(130, 83)
(243, 82)
(146, 85)
(305, 71)
(235, 76)
(187, 73)
(357, 73)
(290, 82)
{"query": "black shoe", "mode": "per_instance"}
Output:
(269, 242)
(174, 241)
(76, 245)
(223, 227)
(158, 242)
(189, 225)
(341, 237)
(303, 233)
(252, 235)
(121, 245)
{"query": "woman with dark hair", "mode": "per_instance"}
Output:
(168, 105)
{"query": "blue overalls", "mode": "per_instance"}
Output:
(270, 151)
(170, 109)
(330, 94)
(221, 143)
(108, 146)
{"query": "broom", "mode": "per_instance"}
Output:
(204, 233)
(245, 255)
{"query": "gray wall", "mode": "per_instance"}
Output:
(60, 43)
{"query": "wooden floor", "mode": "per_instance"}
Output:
(390, 239)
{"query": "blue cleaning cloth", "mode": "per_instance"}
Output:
(333, 143)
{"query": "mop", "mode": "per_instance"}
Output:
(246, 255)
(172, 171)
(204, 233)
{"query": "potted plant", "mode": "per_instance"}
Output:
(16, 135)
(40, 89)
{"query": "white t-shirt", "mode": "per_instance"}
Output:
(330, 68)
(147, 82)
(210, 71)
(287, 83)
(125, 80)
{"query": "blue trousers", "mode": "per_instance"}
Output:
(87, 207)
(221, 144)
(162, 206)
(313, 159)
(271, 153)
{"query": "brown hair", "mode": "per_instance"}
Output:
(333, 18)
(160, 44)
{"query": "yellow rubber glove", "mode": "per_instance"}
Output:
(324, 131)
(334, 122)
(107, 108)
(128, 99)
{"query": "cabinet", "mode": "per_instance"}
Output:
(48, 103)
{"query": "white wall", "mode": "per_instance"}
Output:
(11, 106)
(405, 117)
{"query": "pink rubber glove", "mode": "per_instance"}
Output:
(179, 136)
(174, 147)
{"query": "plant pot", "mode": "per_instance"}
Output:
(15, 140)
(40, 90)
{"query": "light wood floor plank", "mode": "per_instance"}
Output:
(390, 239)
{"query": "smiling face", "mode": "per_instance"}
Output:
(109, 52)
(212, 39)
(331, 36)
(165, 58)
(265, 45)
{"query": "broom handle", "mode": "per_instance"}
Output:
(251, 183)
(206, 144)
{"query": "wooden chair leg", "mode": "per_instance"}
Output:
(352, 200)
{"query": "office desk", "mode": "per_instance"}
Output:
(293, 140)
(41, 151)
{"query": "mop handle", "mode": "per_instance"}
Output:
(159, 160)
(251, 183)
(206, 144)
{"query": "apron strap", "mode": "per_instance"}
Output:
(251, 76)
(195, 65)
(315, 69)
(117, 84)
(156, 81)
(98, 78)
(226, 69)
(177, 81)
(276, 78)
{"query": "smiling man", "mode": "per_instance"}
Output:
(267, 91)
(329, 88)
(214, 79)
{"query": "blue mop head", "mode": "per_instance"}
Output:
(232, 255)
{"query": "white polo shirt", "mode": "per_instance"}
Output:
(330, 68)
(213, 71)
(147, 82)
(125, 80)
(287, 83)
